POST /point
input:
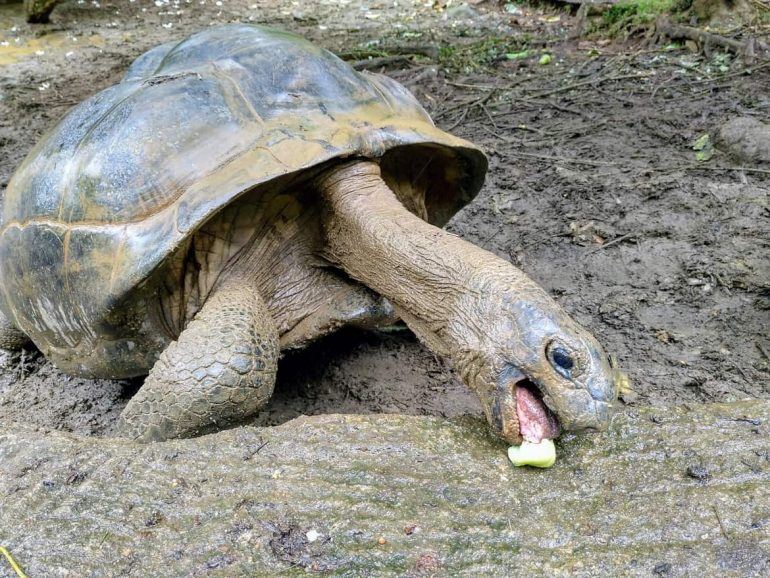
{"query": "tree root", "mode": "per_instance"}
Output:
(747, 49)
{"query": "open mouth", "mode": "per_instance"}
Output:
(536, 421)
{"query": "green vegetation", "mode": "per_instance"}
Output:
(484, 53)
(467, 57)
(632, 13)
(763, 11)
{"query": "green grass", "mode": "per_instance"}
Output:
(485, 53)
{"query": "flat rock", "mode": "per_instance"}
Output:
(677, 491)
(747, 139)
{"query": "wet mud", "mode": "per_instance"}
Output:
(594, 190)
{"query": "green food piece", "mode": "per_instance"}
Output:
(517, 55)
(542, 455)
(704, 155)
(702, 142)
(545, 59)
(703, 148)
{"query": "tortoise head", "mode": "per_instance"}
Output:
(535, 370)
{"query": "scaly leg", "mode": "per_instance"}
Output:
(38, 11)
(220, 370)
(11, 338)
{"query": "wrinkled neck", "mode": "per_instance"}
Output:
(441, 285)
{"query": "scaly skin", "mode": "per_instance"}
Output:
(38, 11)
(11, 338)
(466, 304)
(220, 370)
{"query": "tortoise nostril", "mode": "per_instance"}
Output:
(600, 391)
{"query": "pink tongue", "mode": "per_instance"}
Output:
(536, 422)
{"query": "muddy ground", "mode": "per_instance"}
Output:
(594, 190)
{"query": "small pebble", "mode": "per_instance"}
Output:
(698, 472)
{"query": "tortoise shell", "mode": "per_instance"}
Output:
(104, 205)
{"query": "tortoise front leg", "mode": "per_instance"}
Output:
(11, 341)
(38, 11)
(220, 370)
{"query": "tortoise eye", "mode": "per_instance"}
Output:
(562, 360)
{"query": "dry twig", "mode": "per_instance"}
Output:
(612, 242)
(592, 81)
(380, 62)
(563, 159)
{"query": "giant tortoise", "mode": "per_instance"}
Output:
(243, 192)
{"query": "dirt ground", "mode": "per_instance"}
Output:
(594, 190)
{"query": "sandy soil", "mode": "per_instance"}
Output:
(594, 190)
